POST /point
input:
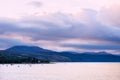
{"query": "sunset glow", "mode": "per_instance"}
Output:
(62, 25)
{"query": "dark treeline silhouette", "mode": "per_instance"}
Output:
(5, 59)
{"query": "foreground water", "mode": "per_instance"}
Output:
(61, 71)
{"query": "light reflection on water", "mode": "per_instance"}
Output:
(61, 71)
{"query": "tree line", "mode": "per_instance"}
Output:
(5, 59)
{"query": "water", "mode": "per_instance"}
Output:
(61, 71)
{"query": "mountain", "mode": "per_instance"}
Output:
(68, 56)
(30, 49)
(92, 57)
(36, 52)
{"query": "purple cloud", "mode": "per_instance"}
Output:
(60, 27)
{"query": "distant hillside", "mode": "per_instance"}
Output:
(92, 57)
(30, 49)
(44, 54)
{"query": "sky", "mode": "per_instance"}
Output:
(61, 25)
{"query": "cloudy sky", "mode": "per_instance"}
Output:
(74, 25)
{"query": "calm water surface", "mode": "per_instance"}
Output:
(61, 71)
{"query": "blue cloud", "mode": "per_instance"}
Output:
(59, 27)
(93, 46)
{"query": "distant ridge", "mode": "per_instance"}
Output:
(69, 56)
(31, 49)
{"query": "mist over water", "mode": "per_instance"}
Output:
(61, 71)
